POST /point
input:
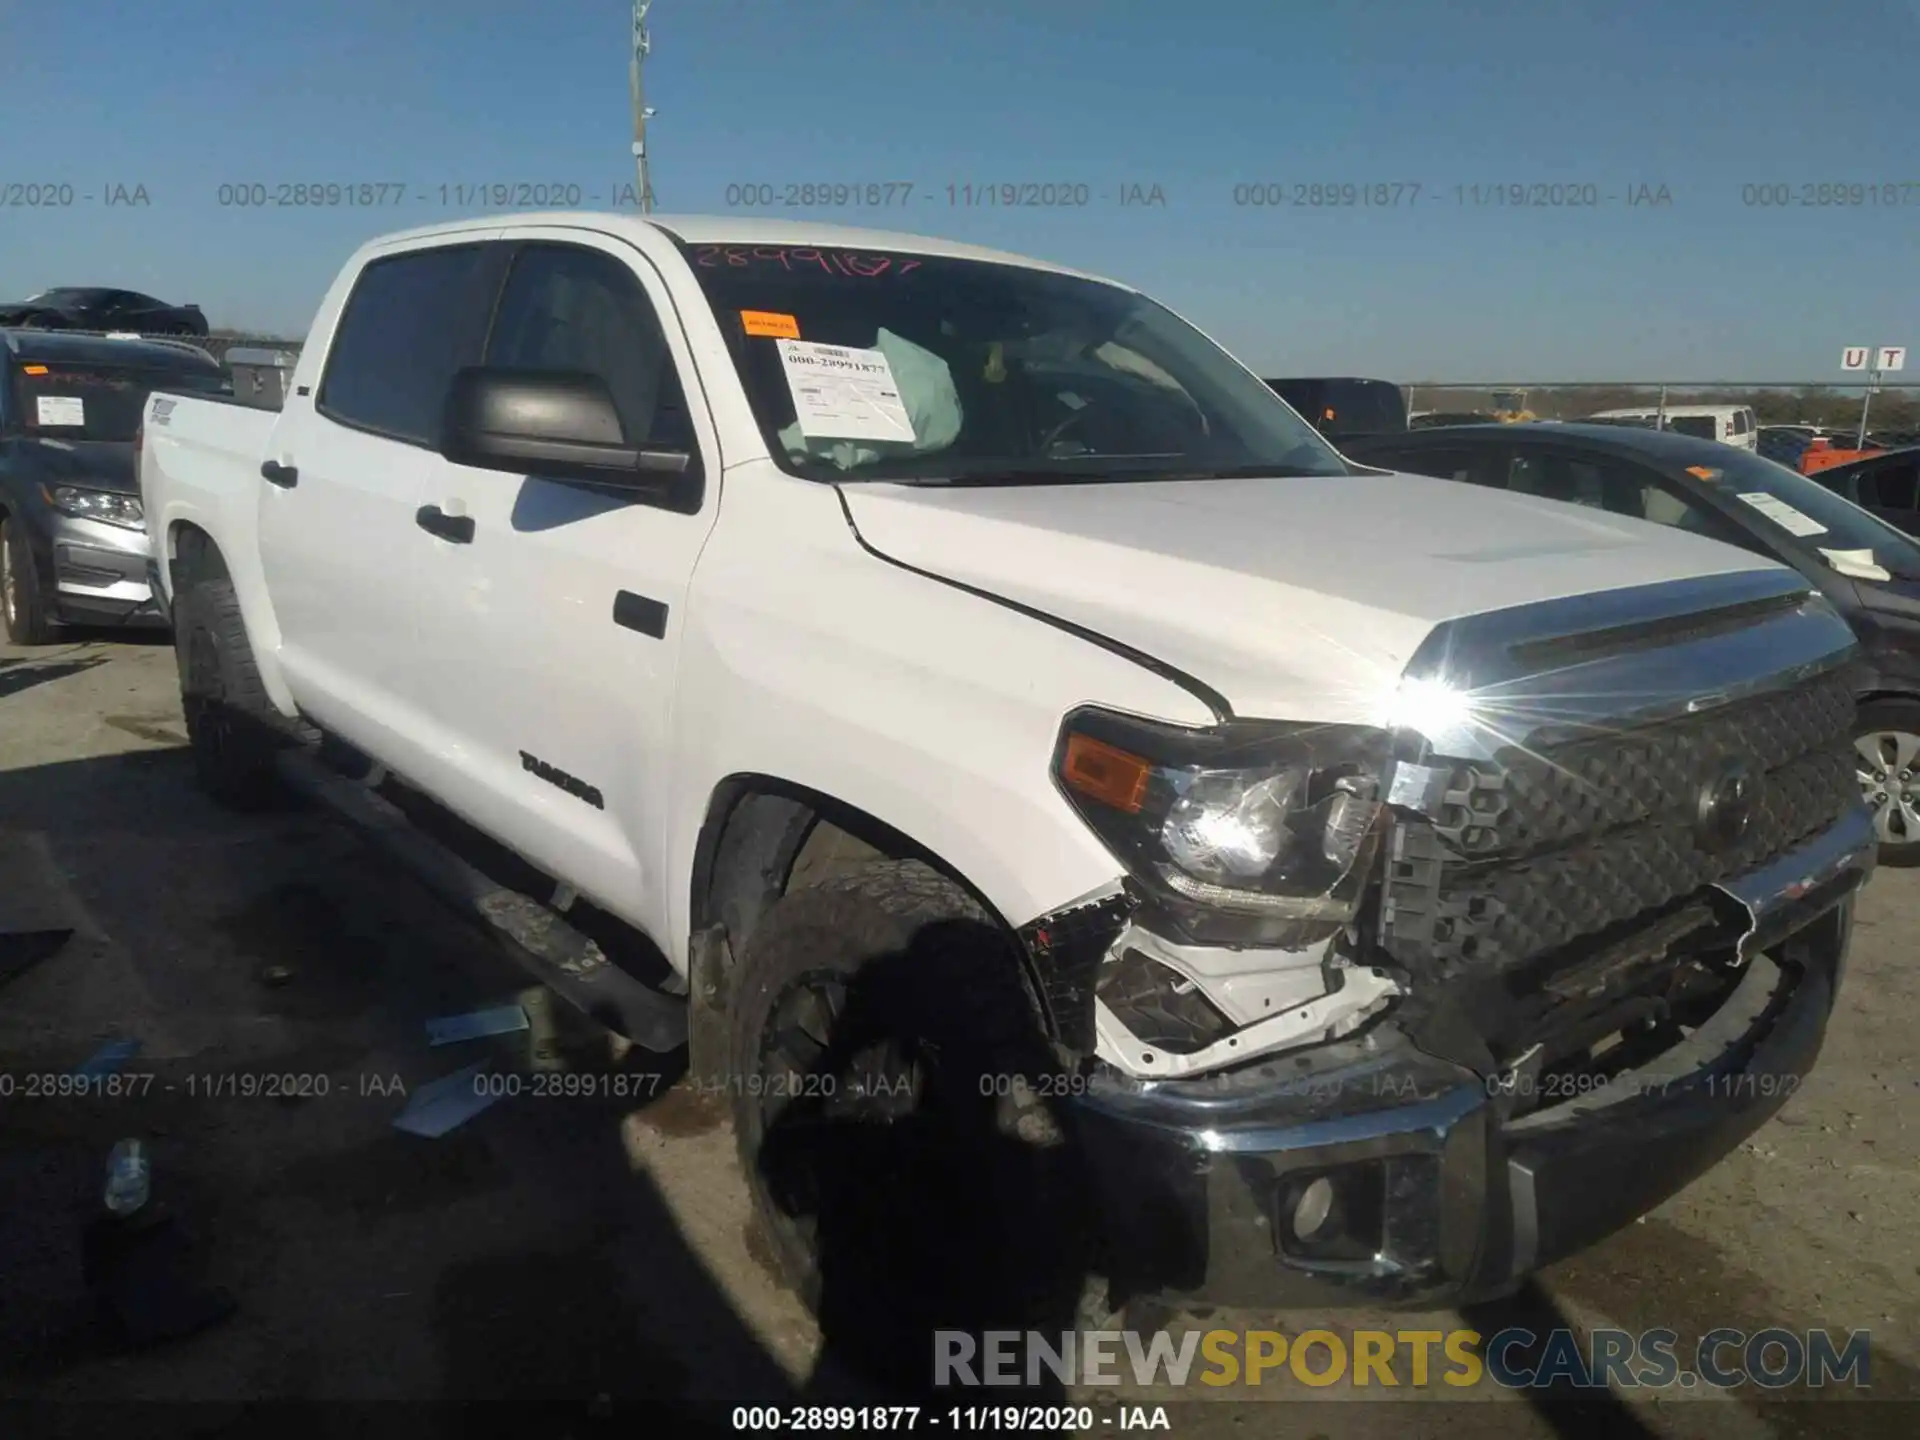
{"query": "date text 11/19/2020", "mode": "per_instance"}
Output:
(957, 195)
(1410, 194)
(392, 194)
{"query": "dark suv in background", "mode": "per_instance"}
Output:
(1345, 407)
(73, 538)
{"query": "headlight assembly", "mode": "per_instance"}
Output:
(1254, 819)
(107, 505)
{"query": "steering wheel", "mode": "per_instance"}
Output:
(1058, 432)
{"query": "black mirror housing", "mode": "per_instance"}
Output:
(549, 423)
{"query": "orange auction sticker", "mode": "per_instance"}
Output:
(769, 322)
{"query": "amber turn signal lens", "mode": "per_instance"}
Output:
(1110, 775)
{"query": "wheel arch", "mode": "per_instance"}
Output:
(752, 838)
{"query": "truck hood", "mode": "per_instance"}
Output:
(95, 464)
(1297, 599)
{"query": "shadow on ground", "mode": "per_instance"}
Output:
(520, 1260)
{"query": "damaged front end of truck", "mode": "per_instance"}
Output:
(1399, 1013)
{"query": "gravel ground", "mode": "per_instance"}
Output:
(588, 1251)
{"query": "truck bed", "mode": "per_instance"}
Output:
(200, 465)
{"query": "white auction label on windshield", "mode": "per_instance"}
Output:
(59, 410)
(1783, 514)
(844, 394)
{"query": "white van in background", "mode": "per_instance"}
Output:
(1729, 424)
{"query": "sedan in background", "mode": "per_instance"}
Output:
(1866, 567)
(94, 308)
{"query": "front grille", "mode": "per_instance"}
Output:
(1535, 850)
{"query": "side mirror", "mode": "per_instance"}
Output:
(551, 423)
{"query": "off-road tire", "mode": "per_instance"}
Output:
(23, 610)
(233, 729)
(962, 991)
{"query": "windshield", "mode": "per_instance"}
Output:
(96, 402)
(886, 366)
(1848, 538)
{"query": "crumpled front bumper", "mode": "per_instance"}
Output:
(1198, 1180)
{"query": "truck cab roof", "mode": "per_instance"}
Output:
(732, 230)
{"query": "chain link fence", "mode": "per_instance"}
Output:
(1894, 405)
(217, 345)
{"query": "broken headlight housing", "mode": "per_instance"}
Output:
(1249, 832)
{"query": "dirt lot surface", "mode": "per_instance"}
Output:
(590, 1251)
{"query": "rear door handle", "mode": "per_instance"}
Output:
(435, 521)
(285, 476)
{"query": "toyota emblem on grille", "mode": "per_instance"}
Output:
(1726, 807)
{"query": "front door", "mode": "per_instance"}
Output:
(551, 624)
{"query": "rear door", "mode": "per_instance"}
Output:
(337, 534)
(550, 634)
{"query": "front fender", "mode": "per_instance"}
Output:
(934, 711)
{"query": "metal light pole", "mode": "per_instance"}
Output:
(642, 46)
(1866, 400)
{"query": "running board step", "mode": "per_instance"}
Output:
(554, 952)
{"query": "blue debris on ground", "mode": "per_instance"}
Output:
(448, 1102)
(109, 1058)
(476, 1024)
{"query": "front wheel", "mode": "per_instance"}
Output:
(22, 607)
(1887, 748)
(886, 1057)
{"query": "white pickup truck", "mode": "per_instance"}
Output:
(974, 682)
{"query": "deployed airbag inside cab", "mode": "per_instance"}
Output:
(927, 392)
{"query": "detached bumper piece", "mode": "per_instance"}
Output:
(1370, 1172)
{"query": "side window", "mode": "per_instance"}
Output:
(411, 321)
(566, 307)
(1475, 467)
(1892, 487)
(1626, 489)
(1555, 477)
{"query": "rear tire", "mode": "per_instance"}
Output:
(1887, 745)
(232, 726)
(22, 607)
(907, 1174)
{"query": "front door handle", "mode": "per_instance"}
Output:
(285, 476)
(435, 521)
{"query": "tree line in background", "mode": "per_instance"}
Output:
(1813, 405)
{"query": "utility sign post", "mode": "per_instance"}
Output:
(1856, 357)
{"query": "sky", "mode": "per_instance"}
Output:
(130, 119)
